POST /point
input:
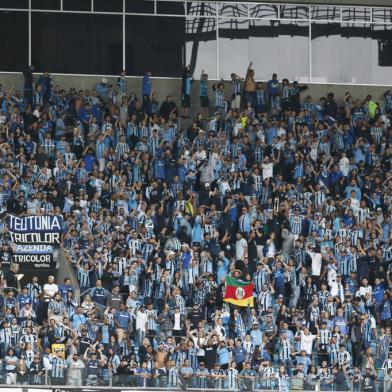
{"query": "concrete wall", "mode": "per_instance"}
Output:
(172, 87)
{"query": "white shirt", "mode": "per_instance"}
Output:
(344, 165)
(363, 290)
(331, 275)
(141, 320)
(268, 169)
(177, 321)
(316, 263)
(240, 247)
(46, 361)
(354, 204)
(307, 342)
(51, 289)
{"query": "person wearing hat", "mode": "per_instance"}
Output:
(50, 288)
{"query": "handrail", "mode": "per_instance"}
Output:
(141, 382)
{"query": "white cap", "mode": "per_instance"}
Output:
(104, 80)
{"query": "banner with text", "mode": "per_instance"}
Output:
(44, 229)
(34, 239)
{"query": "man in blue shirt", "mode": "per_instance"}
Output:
(187, 81)
(65, 288)
(24, 298)
(223, 355)
(270, 133)
(122, 318)
(78, 318)
(102, 89)
(273, 92)
(204, 101)
(99, 294)
(146, 88)
(256, 335)
(239, 352)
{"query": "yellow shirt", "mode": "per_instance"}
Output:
(56, 347)
(372, 109)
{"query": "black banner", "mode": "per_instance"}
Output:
(40, 229)
(34, 260)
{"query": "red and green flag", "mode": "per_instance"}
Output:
(238, 293)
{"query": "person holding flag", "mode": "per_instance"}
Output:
(238, 293)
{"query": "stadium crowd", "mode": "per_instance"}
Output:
(160, 204)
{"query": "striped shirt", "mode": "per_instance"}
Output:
(172, 377)
(100, 150)
(123, 263)
(58, 367)
(285, 350)
(15, 331)
(95, 205)
(325, 337)
(387, 252)
(121, 149)
(48, 145)
(258, 182)
(344, 358)
(219, 99)
(28, 357)
(342, 233)
(84, 277)
(151, 319)
(235, 87)
(329, 209)
(361, 214)
(38, 99)
(354, 236)
(327, 233)
(367, 331)
(147, 251)
(319, 198)
(134, 246)
(180, 303)
(232, 375)
(287, 92)
(377, 133)
(296, 223)
(333, 353)
(259, 153)
(344, 265)
(192, 357)
(387, 365)
(264, 298)
(265, 375)
(260, 278)
(6, 335)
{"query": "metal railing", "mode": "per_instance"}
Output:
(179, 382)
